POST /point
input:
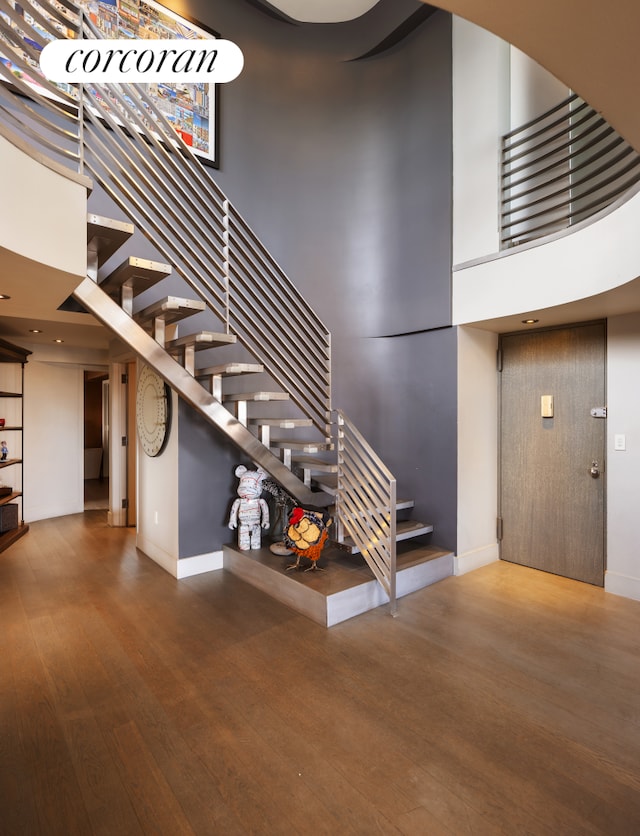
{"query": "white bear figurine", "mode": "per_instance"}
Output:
(249, 511)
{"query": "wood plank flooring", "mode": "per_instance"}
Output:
(505, 701)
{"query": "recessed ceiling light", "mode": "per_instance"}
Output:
(4, 296)
(35, 331)
(530, 321)
(58, 341)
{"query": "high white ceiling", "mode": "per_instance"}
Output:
(323, 11)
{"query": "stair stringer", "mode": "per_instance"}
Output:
(112, 316)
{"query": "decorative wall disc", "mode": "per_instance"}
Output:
(153, 411)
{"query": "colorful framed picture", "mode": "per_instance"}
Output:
(191, 108)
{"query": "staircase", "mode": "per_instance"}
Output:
(230, 282)
(343, 475)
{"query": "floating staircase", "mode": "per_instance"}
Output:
(306, 468)
(227, 277)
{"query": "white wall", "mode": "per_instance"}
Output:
(477, 449)
(623, 467)
(60, 241)
(495, 88)
(480, 117)
(598, 257)
(157, 501)
(54, 430)
(533, 89)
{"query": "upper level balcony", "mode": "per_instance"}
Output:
(545, 208)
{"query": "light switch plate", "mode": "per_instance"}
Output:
(619, 442)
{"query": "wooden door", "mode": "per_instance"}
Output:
(552, 468)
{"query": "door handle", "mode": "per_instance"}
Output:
(595, 469)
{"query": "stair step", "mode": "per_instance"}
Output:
(302, 446)
(282, 423)
(404, 531)
(315, 465)
(229, 369)
(411, 528)
(328, 482)
(170, 309)
(200, 341)
(105, 236)
(257, 396)
(135, 274)
(403, 504)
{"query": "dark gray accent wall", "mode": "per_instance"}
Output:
(343, 168)
(206, 467)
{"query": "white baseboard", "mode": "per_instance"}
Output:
(184, 567)
(475, 559)
(158, 555)
(624, 585)
(198, 564)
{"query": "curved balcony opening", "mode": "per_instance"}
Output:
(560, 169)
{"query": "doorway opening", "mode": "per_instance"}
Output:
(96, 440)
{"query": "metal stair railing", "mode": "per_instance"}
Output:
(562, 168)
(42, 123)
(145, 166)
(109, 312)
(164, 189)
(205, 239)
(366, 504)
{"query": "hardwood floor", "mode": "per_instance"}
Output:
(505, 701)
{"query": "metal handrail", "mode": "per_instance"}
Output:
(560, 169)
(242, 287)
(169, 195)
(366, 504)
(45, 126)
(145, 166)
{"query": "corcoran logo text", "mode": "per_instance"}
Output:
(126, 61)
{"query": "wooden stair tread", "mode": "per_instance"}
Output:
(405, 530)
(200, 341)
(411, 528)
(105, 236)
(282, 423)
(257, 396)
(328, 482)
(315, 464)
(303, 446)
(137, 273)
(170, 309)
(230, 369)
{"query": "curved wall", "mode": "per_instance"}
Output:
(28, 227)
(601, 256)
(343, 169)
(591, 49)
(588, 273)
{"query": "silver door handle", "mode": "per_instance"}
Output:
(595, 470)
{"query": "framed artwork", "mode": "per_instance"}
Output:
(191, 108)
